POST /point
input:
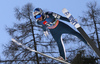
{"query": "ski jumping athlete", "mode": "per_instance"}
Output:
(57, 28)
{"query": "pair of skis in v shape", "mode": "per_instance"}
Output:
(78, 27)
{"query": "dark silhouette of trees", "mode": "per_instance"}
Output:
(30, 34)
(90, 22)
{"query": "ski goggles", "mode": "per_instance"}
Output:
(38, 16)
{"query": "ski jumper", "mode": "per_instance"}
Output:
(57, 28)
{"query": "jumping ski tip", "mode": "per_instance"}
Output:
(71, 18)
(64, 10)
(16, 41)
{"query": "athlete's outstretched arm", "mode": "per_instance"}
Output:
(60, 17)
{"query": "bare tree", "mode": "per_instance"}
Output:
(28, 33)
(91, 21)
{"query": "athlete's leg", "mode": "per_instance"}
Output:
(58, 39)
(60, 44)
(79, 36)
(67, 29)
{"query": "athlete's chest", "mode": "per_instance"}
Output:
(48, 21)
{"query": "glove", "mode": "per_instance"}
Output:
(56, 15)
(46, 33)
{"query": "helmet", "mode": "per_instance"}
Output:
(37, 12)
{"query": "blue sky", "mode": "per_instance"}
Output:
(7, 18)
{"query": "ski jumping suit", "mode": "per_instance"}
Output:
(57, 28)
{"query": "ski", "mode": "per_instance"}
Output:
(62, 61)
(78, 27)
